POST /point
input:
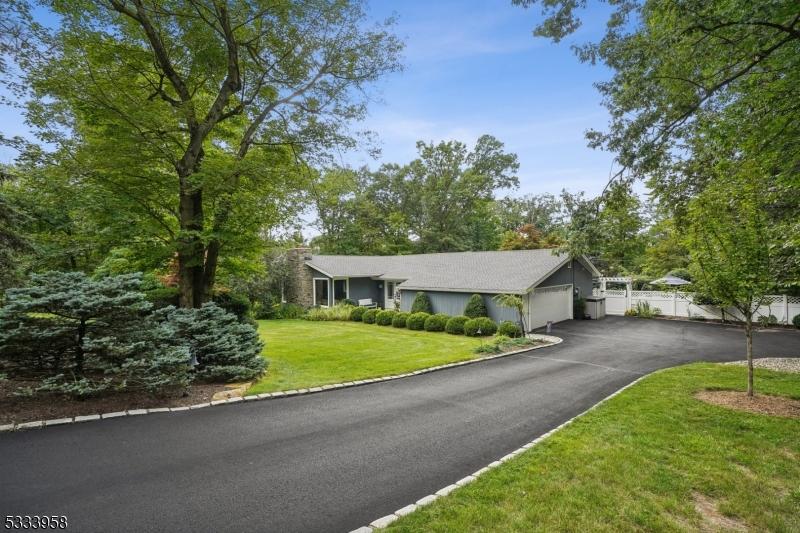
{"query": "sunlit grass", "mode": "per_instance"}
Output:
(305, 354)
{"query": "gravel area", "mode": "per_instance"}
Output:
(779, 364)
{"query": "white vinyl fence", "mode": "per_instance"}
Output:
(782, 307)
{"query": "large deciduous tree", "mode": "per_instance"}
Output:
(191, 112)
(451, 188)
(440, 202)
(696, 83)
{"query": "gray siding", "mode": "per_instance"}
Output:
(563, 276)
(363, 288)
(453, 303)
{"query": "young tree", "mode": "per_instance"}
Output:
(729, 239)
(513, 301)
(195, 110)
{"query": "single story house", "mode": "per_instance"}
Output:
(548, 283)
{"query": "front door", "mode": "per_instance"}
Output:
(390, 288)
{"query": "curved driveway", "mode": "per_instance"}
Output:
(336, 460)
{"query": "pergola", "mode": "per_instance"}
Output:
(620, 279)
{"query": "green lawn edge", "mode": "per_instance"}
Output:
(636, 462)
(303, 354)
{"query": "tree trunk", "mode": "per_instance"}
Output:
(191, 250)
(79, 352)
(748, 331)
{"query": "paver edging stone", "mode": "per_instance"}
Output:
(403, 511)
(551, 341)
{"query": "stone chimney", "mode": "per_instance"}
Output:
(300, 288)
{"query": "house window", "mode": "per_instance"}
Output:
(321, 291)
(339, 290)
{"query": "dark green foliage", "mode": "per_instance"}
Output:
(485, 325)
(400, 318)
(509, 329)
(455, 325)
(287, 310)
(369, 316)
(421, 304)
(83, 336)
(475, 307)
(348, 301)
(266, 307)
(357, 314)
(384, 318)
(796, 321)
(234, 303)
(225, 349)
(436, 322)
(578, 308)
(765, 321)
(162, 297)
(416, 321)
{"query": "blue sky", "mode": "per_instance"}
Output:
(474, 67)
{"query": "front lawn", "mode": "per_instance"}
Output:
(305, 354)
(653, 458)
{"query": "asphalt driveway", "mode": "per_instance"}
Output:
(337, 460)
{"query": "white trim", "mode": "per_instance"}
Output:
(553, 271)
(587, 263)
(314, 291)
(533, 291)
(310, 264)
(346, 287)
(479, 291)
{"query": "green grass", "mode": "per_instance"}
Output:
(305, 354)
(635, 463)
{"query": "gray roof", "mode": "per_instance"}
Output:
(493, 272)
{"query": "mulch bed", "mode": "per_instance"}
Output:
(15, 409)
(760, 404)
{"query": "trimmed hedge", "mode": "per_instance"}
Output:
(399, 319)
(796, 321)
(369, 316)
(422, 304)
(509, 329)
(455, 325)
(436, 322)
(475, 307)
(357, 314)
(485, 325)
(416, 321)
(384, 318)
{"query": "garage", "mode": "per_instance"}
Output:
(549, 304)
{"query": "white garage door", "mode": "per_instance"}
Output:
(549, 304)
